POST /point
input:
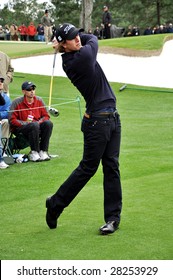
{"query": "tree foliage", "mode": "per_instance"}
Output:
(124, 12)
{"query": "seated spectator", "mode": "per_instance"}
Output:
(156, 29)
(128, 32)
(135, 31)
(90, 31)
(102, 31)
(170, 28)
(28, 115)
(4, 124)
(148, 31)
(97, 32)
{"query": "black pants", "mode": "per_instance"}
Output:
(101, 143)
(107, 32)
(38, 135)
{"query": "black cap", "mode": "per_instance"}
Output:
(46, 11)
(67, 31)
(27, 85)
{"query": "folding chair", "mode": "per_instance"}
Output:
(17, 142)
(4, 146)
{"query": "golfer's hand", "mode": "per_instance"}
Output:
(55, 44)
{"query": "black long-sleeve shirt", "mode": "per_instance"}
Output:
(87, 76)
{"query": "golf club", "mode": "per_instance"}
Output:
(122, 87)
(145, 89)
(54, 112)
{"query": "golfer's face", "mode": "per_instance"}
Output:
(73, 45)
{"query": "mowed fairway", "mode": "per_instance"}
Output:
(146, 163)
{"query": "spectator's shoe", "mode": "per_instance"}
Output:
(4, 154)
(44, 156)
(3, 165)
(109, 227)
(51, 217)
(34, 156)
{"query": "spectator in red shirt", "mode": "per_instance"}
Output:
(32, 31)
(28, 115)
(23, 32)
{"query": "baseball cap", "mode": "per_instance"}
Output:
(67, 31)
(27, 85)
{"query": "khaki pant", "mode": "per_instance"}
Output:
(5, 128)
(47, 33)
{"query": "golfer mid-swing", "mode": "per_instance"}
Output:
(100, 126)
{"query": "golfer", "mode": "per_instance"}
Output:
(100, 126)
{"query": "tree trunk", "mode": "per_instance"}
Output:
(85, 18)
(158, 12)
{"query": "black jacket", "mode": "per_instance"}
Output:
(87, 76)
(106, 17)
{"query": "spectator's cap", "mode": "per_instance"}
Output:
(105, 7)
(46, 11)
(27, 85)
(67, 31)
(2, 78)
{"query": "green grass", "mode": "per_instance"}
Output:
(22, 49)
(146, 43)
(146, 231)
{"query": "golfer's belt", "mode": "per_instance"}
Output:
(101, 114)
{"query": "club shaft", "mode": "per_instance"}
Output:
(51, 80)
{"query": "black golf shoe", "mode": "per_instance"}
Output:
(51, 217)
(109, 227)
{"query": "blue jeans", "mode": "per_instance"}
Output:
(102, 138)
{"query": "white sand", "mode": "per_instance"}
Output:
(147, 71)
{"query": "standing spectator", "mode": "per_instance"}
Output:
(47, 23)
(106, 20)
(32, 31)
(23, 32)
(29, 116)
(2, 33)
(5, 103)
(6, 71)
(7, 32)
(14, 32)
(40, 32)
